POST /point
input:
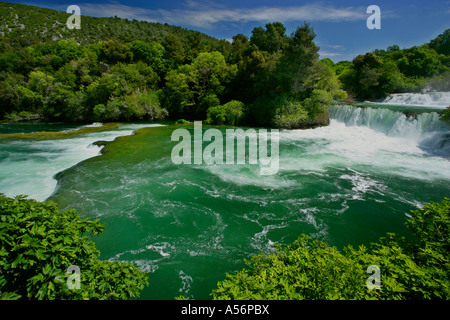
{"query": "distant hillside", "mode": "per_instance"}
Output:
(381, 72)
(25, 25)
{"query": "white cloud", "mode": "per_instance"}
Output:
(206, 13)
(329, 54)
(331, 50)
(334, 46)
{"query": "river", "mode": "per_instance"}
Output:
(188, 225)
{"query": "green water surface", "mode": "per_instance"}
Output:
(188, 225)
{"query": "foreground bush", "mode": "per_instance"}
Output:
(310, 269)
(37, 246)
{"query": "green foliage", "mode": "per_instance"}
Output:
(182, 121)
(442, 43)
(38, 30)
(378, 73)
(139, 105)
(38, 244)
(299, 271)
(174, 50)
(112, 51)
(272, 39)
(63, 104)
(230, 113)
(297, 69)
(108, 112)
(310, 269)
(432, 223)
(104, 88)
(290, 114)
(110, 69)
(143, 106)
(445, 116)
(150, 53)
(365, 78)
(39, 82)
(193, 88)
(18, 61)
(101, 71)
(285, 84)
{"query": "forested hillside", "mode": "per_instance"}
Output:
(114, 69)
(377, 73)
(24, 25)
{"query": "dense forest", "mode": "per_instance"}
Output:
(115, 69)
(378, 73)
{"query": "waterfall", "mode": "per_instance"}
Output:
(431, 134)
(431, 99)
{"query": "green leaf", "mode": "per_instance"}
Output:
(9, 296)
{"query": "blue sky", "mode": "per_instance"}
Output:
(340, 26)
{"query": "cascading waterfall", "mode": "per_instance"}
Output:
(431, 134)
(392, 123)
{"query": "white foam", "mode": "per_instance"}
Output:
(32, 171)
(430, 99)
(186, 283)
(349, 146)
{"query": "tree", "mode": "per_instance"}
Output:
(178, 98)
(231, 113)
(40, 82)
(112, 111)
(363, 78)
(258, 38)
(175, 52)
(113, 51)
(17, 61)
(276, 37)
(137, 75)
(442, 43)
(290, 114)
(8, 94)
(292, 87)
(239, 47)
(297, 66)
(103, 89)
(372, 77)
(39, 244)
(62, 103)
(67, 50)
(420, 62)
(150, 53)
(143, 106)
(193, 88)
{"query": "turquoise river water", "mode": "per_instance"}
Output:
(188, 225)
